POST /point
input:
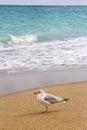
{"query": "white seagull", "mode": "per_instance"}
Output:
(48, 99)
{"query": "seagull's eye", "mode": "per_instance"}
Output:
(39, 91)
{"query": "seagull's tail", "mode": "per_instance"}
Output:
(66, 99)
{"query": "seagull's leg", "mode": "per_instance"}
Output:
(46, 108)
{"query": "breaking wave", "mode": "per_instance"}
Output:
(23, 39)
(19, 40)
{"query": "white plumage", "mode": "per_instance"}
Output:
(47, 99)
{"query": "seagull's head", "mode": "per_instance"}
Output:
(39, 92)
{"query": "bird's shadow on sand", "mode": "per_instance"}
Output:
(38, 113)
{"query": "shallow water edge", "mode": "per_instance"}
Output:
(16, 82)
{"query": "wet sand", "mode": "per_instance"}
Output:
(21, 111)
(21, 81)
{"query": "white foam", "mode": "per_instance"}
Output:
(27, 39)
(48, 55)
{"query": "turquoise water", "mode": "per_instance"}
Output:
(47, 23)
(42, 37)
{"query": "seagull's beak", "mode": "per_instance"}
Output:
(35, 92)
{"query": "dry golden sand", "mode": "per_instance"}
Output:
(21, 111)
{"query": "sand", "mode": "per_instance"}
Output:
(21, 111)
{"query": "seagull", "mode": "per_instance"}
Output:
(48, 99)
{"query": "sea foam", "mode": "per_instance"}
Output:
(23, 39)
(18, 40)
(43, 56)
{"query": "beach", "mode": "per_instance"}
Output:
(21, 111)
(43, 47)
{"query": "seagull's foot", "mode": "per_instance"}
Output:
(45, 110)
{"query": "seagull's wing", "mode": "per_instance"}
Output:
(52, 99)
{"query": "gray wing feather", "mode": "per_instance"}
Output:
(50, 98)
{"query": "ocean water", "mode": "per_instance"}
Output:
(42, 37)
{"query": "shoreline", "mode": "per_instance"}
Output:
(16, 82)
